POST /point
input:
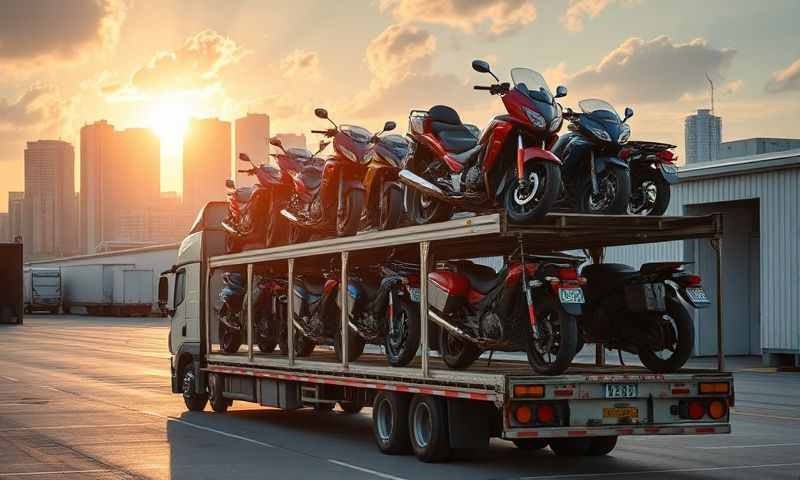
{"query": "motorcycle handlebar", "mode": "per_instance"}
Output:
(481, 87)
(319, 131)
(243, 171)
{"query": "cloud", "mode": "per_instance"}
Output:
(502, 16)
(399, 51)
(578, 10)
(196, 65)
(35, 32)
(39, 107)
(657, 70)
(300, 63)
(785, 80)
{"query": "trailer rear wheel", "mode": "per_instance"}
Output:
(427, 423)
(570, 447)
(530, 443)
(351, 407)
(601, 446)
(390, 422)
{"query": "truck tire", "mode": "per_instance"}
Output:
(351, 408)
(570, 447)
(390, 422)
(216, 386)
(428, 428)
(601, 446)
(530, 444)
(195, 402)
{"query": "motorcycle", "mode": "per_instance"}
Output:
(596, 180)
(383, 307)
(509, 165)
(337, 183)
(653, 170)
(529, 305)
(232, 316)
(642, 311)
(383, 160)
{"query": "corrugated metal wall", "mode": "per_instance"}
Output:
(778, 193)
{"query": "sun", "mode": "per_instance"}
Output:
(169, 118)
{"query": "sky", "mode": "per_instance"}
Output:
(142, 63)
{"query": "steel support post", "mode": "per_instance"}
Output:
(207, 309)
(250, 293)
(716, 244)
(290, 312)
(343, 311)
(424, 268)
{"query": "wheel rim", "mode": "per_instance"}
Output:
(427, 208)
(547, 337)
(423, 425)
(666, 337)
(454, 345)
(643, 200)
(385, 424)
(188, 384)
(522, 198)
(398, 332)
(607, 187)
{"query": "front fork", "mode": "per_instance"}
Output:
(521, 162)
(528, 294)
(593, 173)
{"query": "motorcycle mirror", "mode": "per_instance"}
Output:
(229, 183)
(389, 126)
(482, 66)
(321, 113)
(275, 141)
(243, 157)
(628, 112)
(322, 145)
(561, 91)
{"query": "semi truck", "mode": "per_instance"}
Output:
(424, 407)
(42, 289)
(108, 289)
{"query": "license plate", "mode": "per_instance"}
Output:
(622, 390)
(415, 295)
(571, 295)
(697, 295)
(621, 412)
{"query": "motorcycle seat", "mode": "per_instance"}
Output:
(446, 124)
(243, 194)
(481, 278)
(662, 267)
(607, 275)
(465, 158)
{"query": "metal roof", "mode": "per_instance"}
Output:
(742, 165)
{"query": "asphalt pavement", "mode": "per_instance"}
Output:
(87, 397)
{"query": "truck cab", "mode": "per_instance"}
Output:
(180, 297)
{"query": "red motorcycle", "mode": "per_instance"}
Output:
(529, 305)
(337, 183)
(509, 165)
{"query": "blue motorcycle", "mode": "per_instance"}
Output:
(267, 326)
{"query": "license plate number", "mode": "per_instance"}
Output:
(415, 295)
(697, 295)
(621, 390)
(571, 295)
(621, 412)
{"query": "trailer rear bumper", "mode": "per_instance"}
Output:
(606, 431)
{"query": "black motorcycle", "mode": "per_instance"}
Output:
(653, 170)
(642, 311)
(233, 316)
(595, 179)
(383, 307)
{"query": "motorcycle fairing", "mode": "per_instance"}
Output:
(669, 171)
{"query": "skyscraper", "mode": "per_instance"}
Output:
(252, 132)
(119, 170)
(4, 232)
(293, 140)
(206, 162)
(49, 221)
(703, 134)
(16, 215)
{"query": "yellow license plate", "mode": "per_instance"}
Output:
(620, 412)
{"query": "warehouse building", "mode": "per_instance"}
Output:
(759, 198)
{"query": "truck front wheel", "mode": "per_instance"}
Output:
(194, 401)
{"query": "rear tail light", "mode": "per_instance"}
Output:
(717, 388)
(567, 274)
(717, 409)
(523, 414)
(545, 414)
(689, 280)
(666, 156)
(695, 410)
(529, 391)
(536, 414)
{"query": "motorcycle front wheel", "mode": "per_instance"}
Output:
(650, 194)
(402, 332)
(348, 215)
(614, 192)
(674, 331)
(524, 203)
(552, 346)
(391, 209)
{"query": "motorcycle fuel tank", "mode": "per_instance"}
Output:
(447, 291)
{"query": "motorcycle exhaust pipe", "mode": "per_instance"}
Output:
(416, 182)
(450, 327)
(288, 215)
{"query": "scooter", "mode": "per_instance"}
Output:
(529, 305)
(451, 168)
(653, 170)
(338, 183)
(642, 311)
(596, 179)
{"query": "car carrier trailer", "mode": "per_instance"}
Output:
(426, 407)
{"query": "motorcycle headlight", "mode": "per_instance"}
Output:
(624, 135)
(535, 118)
(555, 125)
(349, 154)
(601, 134)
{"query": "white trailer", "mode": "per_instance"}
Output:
(42, 289)
(425, 407)
(108, 289)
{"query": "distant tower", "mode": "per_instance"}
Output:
(251, 132)
(703, 134)
(206, 162)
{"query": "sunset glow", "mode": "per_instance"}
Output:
(168, 118)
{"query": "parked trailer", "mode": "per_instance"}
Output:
(426, 407)
(11, 298)
(108, 289)
(42, 289)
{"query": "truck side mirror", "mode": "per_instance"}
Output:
(163, 296)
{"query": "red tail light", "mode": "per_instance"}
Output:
(567, 274)
(545, 413)
(696, 410)
(666, 156)
(689, 280)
